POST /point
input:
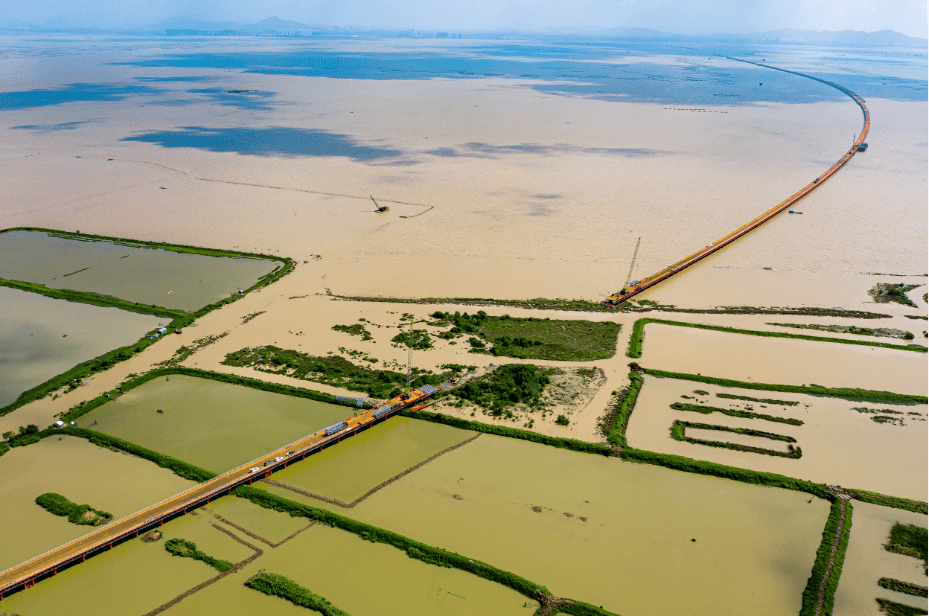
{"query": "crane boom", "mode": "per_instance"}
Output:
(632, 265)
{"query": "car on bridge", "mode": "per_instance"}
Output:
(254, 469)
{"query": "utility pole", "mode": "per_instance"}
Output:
(409, 357)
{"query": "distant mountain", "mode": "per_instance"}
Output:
(882, 38)
(275, 24)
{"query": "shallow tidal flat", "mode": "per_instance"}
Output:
(42, 337)
(180, 281)
(866, 561)
(840, 445)
(366, 460)
(600, 530)
(214, 425)
(81, 472)
(783, 361)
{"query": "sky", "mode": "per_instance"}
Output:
(678, 16)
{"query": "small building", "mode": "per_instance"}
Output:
(163, 330)
(59, 424)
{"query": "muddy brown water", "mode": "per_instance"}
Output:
(840, 445)
(145, 275)
(783, 361)
(754, 546)
(355, 575)
(866, 561)
(362, 462)
(213, 425)
(83, 473)
(736, 439)
(41, 337)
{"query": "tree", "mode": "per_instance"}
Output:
(8, 435)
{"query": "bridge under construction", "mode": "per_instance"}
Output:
(635, 287)
(25, 575)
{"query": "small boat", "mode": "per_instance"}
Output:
(160, 411)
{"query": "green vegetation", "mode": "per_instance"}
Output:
(880, 332)
(179, 468)
(188, 549)
(76, 514)
(909, 540)
(678, 434)
(823, 556)
(706, 410)
(885, 292)
(419, 339)
(414, 549)
(905, 587)
(279, 586)
(333, 370)
(759, 400)
(562, 420)
(892, 608)
(507, 385)
(178, 318)
(532, 338)
(356, 329)
(638, 335)
(524, 435)
(889, 501)
(845, 393)
(4, 448)
(616, 432)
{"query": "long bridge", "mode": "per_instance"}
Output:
(26, 574)
(636, 287)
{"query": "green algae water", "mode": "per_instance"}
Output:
(214, 425)
(84, 473)
(41, 337)
(364, 461)
(637, 539)
(135, 273)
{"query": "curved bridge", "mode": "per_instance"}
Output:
(640, 285)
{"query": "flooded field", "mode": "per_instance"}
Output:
(736, 439)
(602, 531)
(42, 337)
(84, 473)
(362, 462)
(131, 272)
(213, 425)
(322, 559)
(866, 561)
(840, 445)
(783, 361)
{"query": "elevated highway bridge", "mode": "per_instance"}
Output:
(25, 575)
(637, 286)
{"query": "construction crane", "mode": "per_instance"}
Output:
(632, 265)
(380, 208)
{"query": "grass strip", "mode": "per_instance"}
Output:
(178, 318)
(759, 400)
(579, 608)
(84, 515)
(678, 434)
(638, 335)
(823, 557)
(909, 540)
(179, 468)
(279, 586)
(845, 393)
(905, 587)
(616, 434)
(188, 549)
(414, 549)
(706, 410)
(288, 390)
(889, 501)
(892, 608)
(524, 435)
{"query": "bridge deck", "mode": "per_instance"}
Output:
(756, 222)
(25, 574)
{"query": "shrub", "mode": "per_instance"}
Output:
(562, 420)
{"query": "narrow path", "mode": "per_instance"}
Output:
(638, 286)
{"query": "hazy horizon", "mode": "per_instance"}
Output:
(907, 17)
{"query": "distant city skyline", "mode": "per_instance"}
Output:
(674, 16)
